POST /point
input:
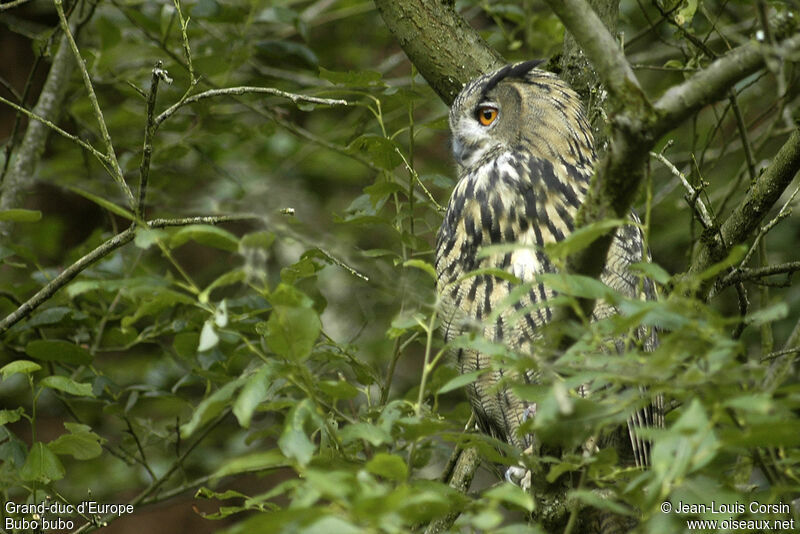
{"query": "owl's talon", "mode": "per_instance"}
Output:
(528, 412)
(519, 476)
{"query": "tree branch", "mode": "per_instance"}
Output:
(149, 130)
(236, 91)
(13, 3)
(713, 82)
(446, 50)
(45, 112)
(106, 248)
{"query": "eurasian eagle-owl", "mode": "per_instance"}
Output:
(525, 155)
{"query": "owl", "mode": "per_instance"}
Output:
(525, 155)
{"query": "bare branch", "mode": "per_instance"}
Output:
(144, 496)
(103, 250)
(744, 275)
(692, 196)
(187, 51)
(237, 91)
(149, 131)
(13, 3)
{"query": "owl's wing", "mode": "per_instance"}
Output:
(626, 249)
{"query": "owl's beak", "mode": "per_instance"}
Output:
(458, 150)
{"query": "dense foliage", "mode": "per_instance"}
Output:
(268, 342)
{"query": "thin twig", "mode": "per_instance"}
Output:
(149, 130)
(745, 275)
(122, 238)
(142, 497)
(692, 196)
(99, 155)
(236, 91)
(779, 353)
(742, 127)
(135, 436)
(117, 173)
(187, 51)
(13, 3)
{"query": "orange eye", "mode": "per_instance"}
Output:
(487, 115)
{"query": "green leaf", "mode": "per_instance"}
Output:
(769, 314)
(156, 300)
(273, 50)
(735, 256)
(42, 465)
(331, 523)
(596, 501)
(67, 385)
(292, 331)
(211, 407)
(52, 315)
(294, 442)
(388, 466)
(423, 265)
(80, 443)
(581, 238)
(338, 389)
(381, 151)
(653, 271)
(372, 434)
(248, 463)
(208, 337)
(689, 445)
(25, 367)
(58, 350)
(147, 237)
(103, 203)
(227, 279)
(686, 13)
(256, 240)
(460, 381)
(559, 469)
(10, 416)
(577, 286)
(253, 393)
(20, 215)
(509, 493)
(205, 234)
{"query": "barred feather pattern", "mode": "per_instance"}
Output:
(521, 182)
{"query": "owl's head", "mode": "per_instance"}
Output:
(517, 108)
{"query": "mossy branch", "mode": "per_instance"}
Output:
(446, 50)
